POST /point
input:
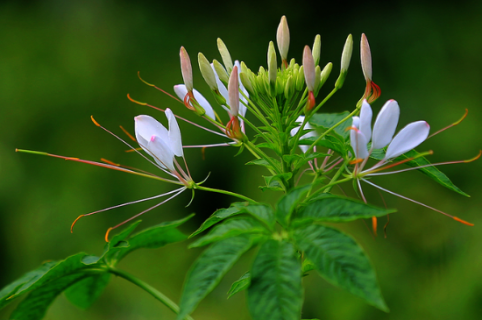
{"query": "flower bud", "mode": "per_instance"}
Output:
(289, 89)
(186, 69)
(300, 80)
(223, 50)
(221, 72)
(317, 49)
(283, 39)
(366, 58)
(233, 91)
(345, 61)
(317, 79)
(272, 63)
(309, 68)
(247, 83)
(244, 68)
(207, 72)
(325, 73)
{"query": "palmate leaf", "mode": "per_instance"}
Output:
(328, 120)
(287, 204)
(86, 291)
(334, 208)
(37, 302)
(341, 261)
(209, 268)
(230, 228)
(275, 291)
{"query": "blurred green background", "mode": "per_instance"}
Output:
(63, 61)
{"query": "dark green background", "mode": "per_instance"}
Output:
(63, 61)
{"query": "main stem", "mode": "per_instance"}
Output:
(150, 289)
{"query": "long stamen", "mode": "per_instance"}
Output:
(99, 164)
(377, 168)
(450, 125)
(420, 203)
(225, 144)
(141, 213)
(179, 117)
(427, 165)
(152, 85)
(128, 134)
(121, 205)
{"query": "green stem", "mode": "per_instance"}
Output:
(229, 193)
(255, 150)
(148, 288)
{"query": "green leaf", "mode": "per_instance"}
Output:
(333, 208)
(275, 291)
(8, 292)
(328, 142)
(340, 260)
(432, 172)
(260, 211)
(84, 292)
(121, 236)
(230, 228)
(287, 204)
(264, 163)
(209, 268)
(328, 120)
(240, 284)
(37, 302)
(154, 237)
(276, 182)
(217, 216)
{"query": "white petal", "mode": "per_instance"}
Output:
(356, 122)
(181, 92)
(174, 134)
(221, 87)
(242, 100)
(359, 143)
(385, 124)
(366, 120)
(308, 135)
(146, 127)
(162, 152)
(408, 138)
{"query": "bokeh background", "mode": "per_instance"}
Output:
(63, 61)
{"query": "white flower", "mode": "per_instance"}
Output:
(162, 144)
(407, 139)
(182, 91)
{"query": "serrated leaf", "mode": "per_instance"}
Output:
(275, 291)
(276, 182)
(86, 291)
(334, 208)
(37, 302)
(264, 163)
(328, 120)
(341, 261)
(260, 211)
(209, 268)
(230, 228)
(8, 292)
(268, 145)
(287, 204)
(218, 215)
(240, 284)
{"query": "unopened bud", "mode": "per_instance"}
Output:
(317, 79)
(244, 68)
(233, 92)
(345, 61)
(221, 72)
(289, 89)
(283, 39)
(300, 79)
(207, 72)
(366, 58)
(247, 83)
(223, 50)
(309, 68)
(186, 69)
(317, 49)
(325, 73)
(346, 55)
(272, 63)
